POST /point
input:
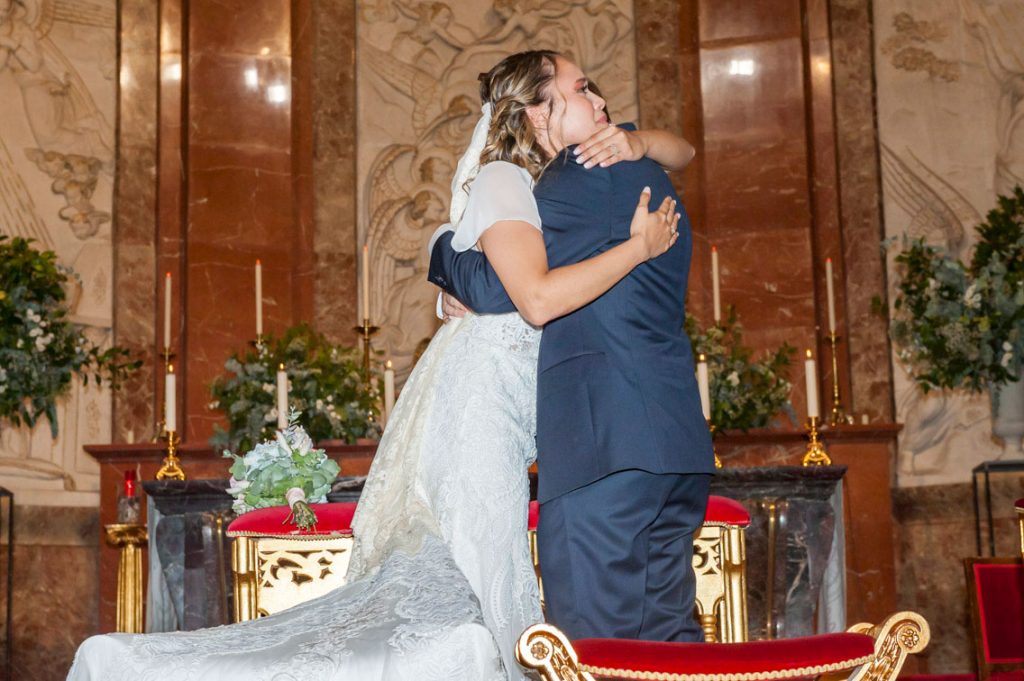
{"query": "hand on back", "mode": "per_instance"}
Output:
(656, 230)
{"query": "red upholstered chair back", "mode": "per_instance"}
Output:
(995, 589)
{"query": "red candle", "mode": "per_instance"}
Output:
(129, 483)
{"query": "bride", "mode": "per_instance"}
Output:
(440, 584)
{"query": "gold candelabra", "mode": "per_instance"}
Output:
(838, 414)
(714, 447)
(171, 470)
(366, 330)
(816, 454)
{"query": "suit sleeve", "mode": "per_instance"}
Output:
(468, 276)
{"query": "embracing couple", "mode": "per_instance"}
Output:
(550, 227)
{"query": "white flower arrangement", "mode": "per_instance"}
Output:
(284, 471)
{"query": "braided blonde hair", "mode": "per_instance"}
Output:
(519, 81)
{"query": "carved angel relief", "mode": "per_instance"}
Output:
(418, 64)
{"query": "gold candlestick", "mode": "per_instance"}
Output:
(714, 448)
(366, 330)
(816, 454)
(171, 470)
(838, 414)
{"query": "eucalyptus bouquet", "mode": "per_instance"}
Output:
(40, 349)
(960, 326)
(285, 470)
(745, 393)
(326, 388)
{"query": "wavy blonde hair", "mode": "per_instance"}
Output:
(518, 81)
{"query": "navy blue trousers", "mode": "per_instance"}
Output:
(616, 556)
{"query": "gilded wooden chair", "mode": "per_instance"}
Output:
(864, 653)
(719, 561)
(275, 568)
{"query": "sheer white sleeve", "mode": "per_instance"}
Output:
(501, 191)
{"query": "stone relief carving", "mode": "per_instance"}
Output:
(417, 87)
(951, 140)
(57, 95)
(906, 51)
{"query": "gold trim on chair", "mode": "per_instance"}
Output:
(546, 650)
(719, 563)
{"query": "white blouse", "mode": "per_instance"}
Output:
(500, 191)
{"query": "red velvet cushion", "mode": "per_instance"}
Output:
(999, 588)
(331, 520)
(786, 658)
(1019, 504)
(531, 523)
(723, 511)
(1012, 675)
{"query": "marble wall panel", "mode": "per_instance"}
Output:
(55, 581)
(241, 204)
(334, 168)
(417, 103)
(856, 139)
(950, 142)
(57, 105)
(135, 217)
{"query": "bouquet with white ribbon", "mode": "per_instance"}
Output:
(286, 470)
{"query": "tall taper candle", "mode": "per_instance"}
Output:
(259, 298)
(170, 410)
(282, 398)
(703, 388)
(811, 375)
(716, 292)
(366, 283)
(389, 390)
(167, 310)
(831, 296)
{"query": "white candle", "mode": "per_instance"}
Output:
(282, 398)
(703, 388)
(170, 388)
(831, 296)
(811, 375)
(389, 390)
(167, 310)
(365, 313)
(259, 298)
(716, 292)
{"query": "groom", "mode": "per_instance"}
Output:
(624, 455)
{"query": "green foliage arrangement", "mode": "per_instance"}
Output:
(959, 326)
(41, 351)
(326, 388)
(745, 393)
(286, 470)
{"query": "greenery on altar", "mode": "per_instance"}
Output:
(745, 392)
(326, 388)
(41, 350)
(957, 325)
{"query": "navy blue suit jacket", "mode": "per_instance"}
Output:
(616, 387)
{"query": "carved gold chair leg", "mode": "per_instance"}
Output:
(546, 650)
(245, 565)
(901, 634)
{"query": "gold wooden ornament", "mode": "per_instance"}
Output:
(129, 538)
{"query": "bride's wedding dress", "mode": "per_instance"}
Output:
(440, 582)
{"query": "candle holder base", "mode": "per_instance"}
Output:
(816, 454)
(839, 417)
(367, 331)
(171, 470)
(714, 448)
